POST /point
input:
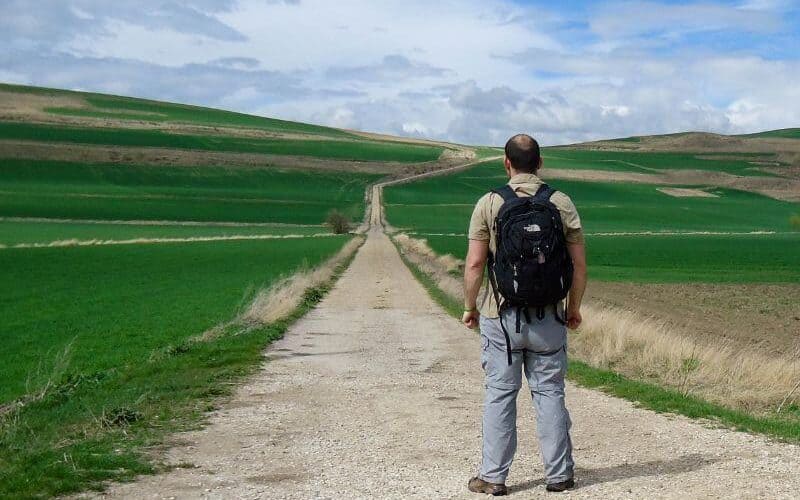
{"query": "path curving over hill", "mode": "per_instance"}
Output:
(377, 394)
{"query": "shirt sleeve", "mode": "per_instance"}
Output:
(573, 230)
(479, 223)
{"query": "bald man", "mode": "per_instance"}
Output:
(539, 347)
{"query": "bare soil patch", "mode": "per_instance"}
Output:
(687, 193)
(765, 317)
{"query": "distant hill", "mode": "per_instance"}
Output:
(44, 123)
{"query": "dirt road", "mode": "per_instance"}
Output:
(377, 394)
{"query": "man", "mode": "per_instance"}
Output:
(538, 344)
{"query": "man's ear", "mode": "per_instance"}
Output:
(507, 165)
(541, 164)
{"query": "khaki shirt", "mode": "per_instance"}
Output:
(486, 210)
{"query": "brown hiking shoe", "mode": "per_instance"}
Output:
(562, 486)
(478, 485)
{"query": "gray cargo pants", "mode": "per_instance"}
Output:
(545, 373)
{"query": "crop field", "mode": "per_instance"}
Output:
(344, 150)
(647, 162)
(438, 209)
(111, 272)
(33, 188)
(116, 305)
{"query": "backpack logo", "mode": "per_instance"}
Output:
(533, 228)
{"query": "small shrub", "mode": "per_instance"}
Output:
(794, 221)
(338, 222)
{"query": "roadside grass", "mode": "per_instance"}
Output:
(784, 426)
(33, 188)
(114, 305)
(15, 232)
(99, 426)
(356, 150)
(678, 259)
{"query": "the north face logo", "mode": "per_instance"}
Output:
(533, 228)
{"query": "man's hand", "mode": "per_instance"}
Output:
(574, 318)
(470, 318)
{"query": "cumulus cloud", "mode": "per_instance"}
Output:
(390, 69)
(475, 71)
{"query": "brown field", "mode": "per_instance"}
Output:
(758, 317)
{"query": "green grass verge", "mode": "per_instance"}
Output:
(96, 426)
(33, 188)
(645, 394)
(357, 150)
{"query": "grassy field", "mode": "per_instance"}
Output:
(679, 259)
(785, 133)
(127, 108)
(443, 205)
(102, 333)
(631, 161)
(116, 305)
(100, 358)
(361, 150)
(85, 191)
(27, 232)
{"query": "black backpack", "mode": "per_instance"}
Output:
(531, 267)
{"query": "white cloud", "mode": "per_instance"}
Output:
(469, 71)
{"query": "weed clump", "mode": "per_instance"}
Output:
(338, 222)
(794, 221)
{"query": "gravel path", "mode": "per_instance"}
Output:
(377, 394)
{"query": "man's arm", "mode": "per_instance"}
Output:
(477, 253)
(578, 253)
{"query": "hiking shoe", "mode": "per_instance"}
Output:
(478, 485)
(562, 486)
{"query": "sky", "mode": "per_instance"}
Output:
(469, 71)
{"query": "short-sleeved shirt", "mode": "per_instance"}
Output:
(481, 226)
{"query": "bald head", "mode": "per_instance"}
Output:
(523, 153)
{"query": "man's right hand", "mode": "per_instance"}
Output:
(574, 318)
(470, 318)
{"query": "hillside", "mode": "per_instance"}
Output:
(51, 124)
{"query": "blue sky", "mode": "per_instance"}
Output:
(474, 71)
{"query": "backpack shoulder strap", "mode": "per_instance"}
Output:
(544, 192)
(507, 192)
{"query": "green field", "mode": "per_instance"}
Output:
(27, 232)
(85, 191)
(785, 133)
(679, 259)
(116, 305)
(357, 150)
(100, 360)
(443, 205)
(127, 108)
(649, 162)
